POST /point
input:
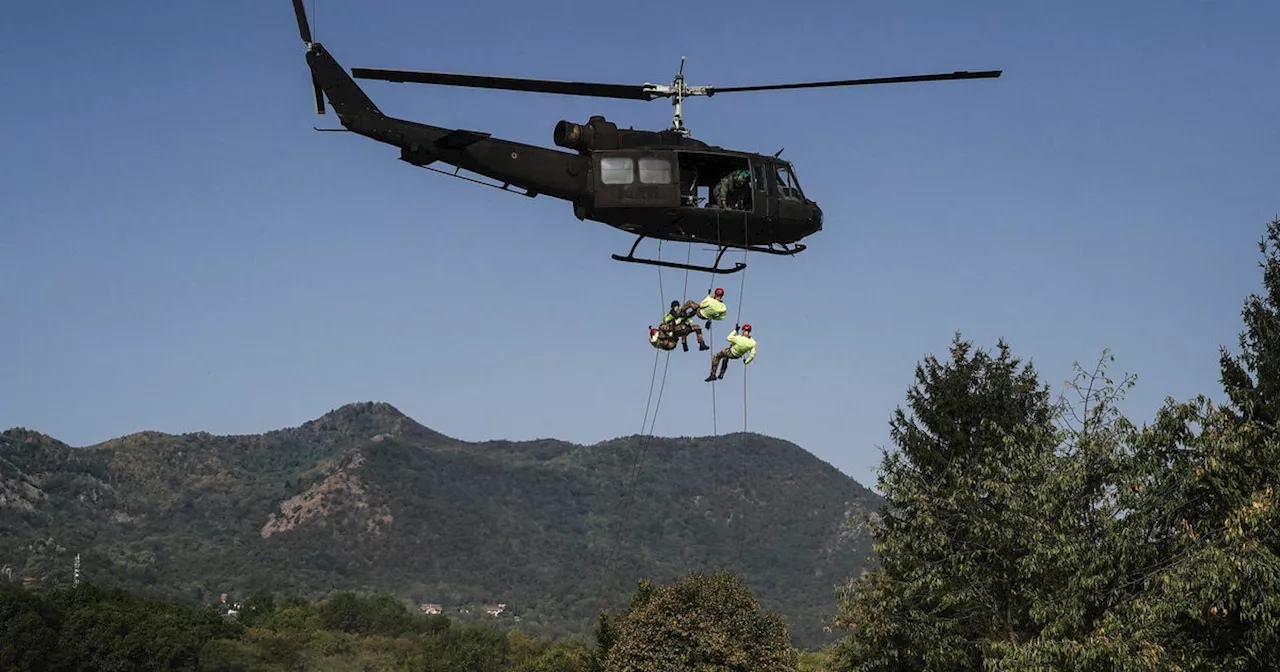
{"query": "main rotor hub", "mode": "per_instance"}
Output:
(677, 92)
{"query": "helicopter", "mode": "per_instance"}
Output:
(652, 184)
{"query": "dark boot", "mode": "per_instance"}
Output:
(710, 378)
(685, 345)
(703, 346)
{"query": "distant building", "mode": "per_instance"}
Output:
(495, 609)
(431, 608)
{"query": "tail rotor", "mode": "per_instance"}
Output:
(304, 30)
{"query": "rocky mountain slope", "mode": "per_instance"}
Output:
(366, 498)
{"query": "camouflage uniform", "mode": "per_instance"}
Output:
(680, 321)
(662, 337)
(689, 309)
(721, 193)
(682, 330)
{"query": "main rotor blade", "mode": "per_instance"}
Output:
(303, 29)
(626, 91)
(964, 74)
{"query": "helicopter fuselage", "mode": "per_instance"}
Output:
(654, 184)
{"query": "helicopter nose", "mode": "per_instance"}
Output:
(817, 217)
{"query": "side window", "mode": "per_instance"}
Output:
(761, 185)
(655, 171)
(616, 170)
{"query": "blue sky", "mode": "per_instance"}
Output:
(179, 251)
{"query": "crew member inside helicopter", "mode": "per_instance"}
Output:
(730, 190)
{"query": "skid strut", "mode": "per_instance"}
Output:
(714, 268)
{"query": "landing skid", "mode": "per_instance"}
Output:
(714, 268)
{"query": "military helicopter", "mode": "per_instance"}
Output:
(653, 184)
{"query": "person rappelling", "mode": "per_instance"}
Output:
(662, 338)
(711, 308)
(680, 321)
(742, 345)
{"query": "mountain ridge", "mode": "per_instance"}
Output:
(364, 497)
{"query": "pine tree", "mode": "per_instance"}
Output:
(1252, 380)
(960, 519)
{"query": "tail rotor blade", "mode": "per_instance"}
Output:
(319, 95)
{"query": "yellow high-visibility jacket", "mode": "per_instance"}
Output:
(712, 309)
(742, 345)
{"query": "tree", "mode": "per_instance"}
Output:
(960, 520)
(368, 614)
(466, 647)
(1206, 505)
(258, 607)
(707, 623)
(1209, 595)
(1088, 549)
(1252, 379)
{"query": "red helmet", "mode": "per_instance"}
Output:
(746, 327)
(719, 292)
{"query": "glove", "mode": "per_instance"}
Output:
(737, 327)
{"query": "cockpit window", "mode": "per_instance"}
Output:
(788, 185)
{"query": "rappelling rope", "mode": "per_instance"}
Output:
(746, 242)
(647, 434)
(711, 278)
(742, 286)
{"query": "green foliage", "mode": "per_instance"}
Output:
(467, 647)
(366, 499)
(1252, 379)
(1069, 538)
(93, 628)
(365, 615)
(708, 623)
(960, 519)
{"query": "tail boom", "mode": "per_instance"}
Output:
(538, 170)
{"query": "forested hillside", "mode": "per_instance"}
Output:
(365, 498)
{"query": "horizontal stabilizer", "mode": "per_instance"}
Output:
(460, 139)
